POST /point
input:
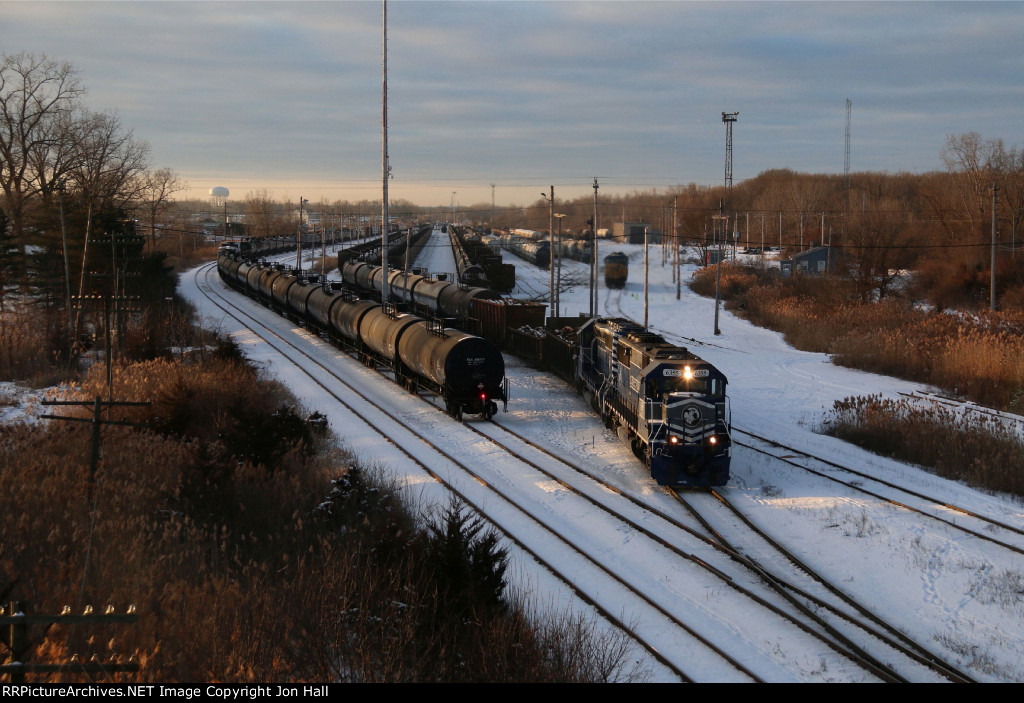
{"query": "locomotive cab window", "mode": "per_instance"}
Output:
(695, 383)
(685, 385)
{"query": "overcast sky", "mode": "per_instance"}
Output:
(286, 96)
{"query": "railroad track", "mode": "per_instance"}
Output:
(495, 497)
(1005, 417)
(984, 527)
(849, 628)
(749, 585)
(613, 306)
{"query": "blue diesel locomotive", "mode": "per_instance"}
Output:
(667, 403)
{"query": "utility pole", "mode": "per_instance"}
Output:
(551, 248)
(675, 240)
(721, 226)
(992, 297)
(15, 620)
(98, 406)
(646, 269)
(109, 305)
(762, 236)
(558, 276)
(67, 263)
(728, 118)
(593, 260)
(846, 160)
(298, 237)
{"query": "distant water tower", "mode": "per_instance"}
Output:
(219, 195)
(219, 198)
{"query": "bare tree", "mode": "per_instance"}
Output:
(262, 218)
(156, 196)
(111, 165)
(875, 247)
(973, 165)
(1009, 167)
(37, 95)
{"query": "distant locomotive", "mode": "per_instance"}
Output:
(669, 404)
(616, 270)
(467, 371)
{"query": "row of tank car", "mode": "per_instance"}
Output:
(667, 403)
(257, 247)
(465, 370)
(528, 245)
(479, 262)
(535, 247)
(403, 245)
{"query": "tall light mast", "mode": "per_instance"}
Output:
(385, 168)
(846, 158)
(728, 118)
(594, 310)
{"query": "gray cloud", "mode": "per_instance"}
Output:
(286, 95)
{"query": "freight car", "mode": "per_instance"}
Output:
(667, 403)
(436, 297)
(398, 241)
(576, 249)
(465, 370)
(616, 270)
(479, 263)
(470, 271)
(536, 251)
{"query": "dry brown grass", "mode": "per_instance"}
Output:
(978, 450)
(977, 356)
(245, 569)
(30, 336)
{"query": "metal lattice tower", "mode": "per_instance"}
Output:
(728, 118)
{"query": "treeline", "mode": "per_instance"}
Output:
(73, 183)
(938, 224)
(65, 170)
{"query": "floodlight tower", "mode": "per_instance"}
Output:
(385, 163)
(728, 118)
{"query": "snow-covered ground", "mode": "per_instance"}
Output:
(960, 596)
(436, 255)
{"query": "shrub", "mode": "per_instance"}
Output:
(980, 450)
(973, 356)
(249, 573)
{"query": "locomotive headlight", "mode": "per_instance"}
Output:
(673, 439)
(687, 373)
(712, 440)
